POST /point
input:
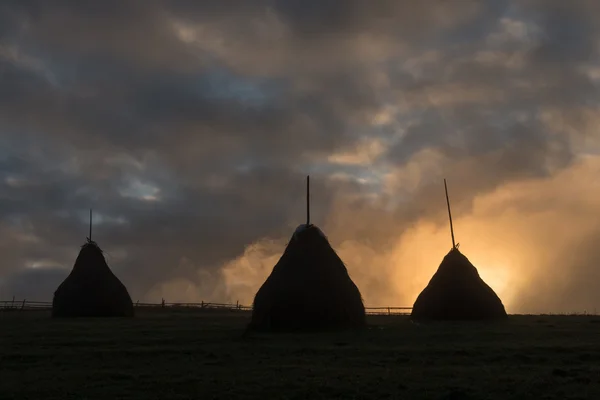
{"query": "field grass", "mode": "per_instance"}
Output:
(183, 355)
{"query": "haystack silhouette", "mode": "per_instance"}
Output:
(456, 291)
(91, 289)
(308, 289)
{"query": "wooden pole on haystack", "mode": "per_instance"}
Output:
(90, 238)
(449, 215)
(307, 199)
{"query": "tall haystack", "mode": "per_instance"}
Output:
(91, 289)
(456, 291)
(308, 289)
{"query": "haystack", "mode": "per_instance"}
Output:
(308, 289)
(457, 292)
(91, 289)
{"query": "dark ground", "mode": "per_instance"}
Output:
(181, 355)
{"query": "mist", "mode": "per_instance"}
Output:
(530, 241)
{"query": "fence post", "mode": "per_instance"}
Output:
(137, 303)
(13, 303)
(389, 312)
(202, 304)
(163, 303)
(23, 305)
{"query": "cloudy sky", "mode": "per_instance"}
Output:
(189, 128)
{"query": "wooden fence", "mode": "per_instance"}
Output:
(29, 305)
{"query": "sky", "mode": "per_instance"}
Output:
(189, 128)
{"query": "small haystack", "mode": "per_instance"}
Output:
(91, 289)
(456, 291)
(308, 289)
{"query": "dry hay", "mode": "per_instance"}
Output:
(91, 289)
(308, 289)
(456, 292)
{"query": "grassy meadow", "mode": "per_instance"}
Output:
(166, 354)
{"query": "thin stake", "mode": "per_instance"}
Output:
(307, 199)
(449, 215)
(90, 224)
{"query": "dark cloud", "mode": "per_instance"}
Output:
(189, 126)
(33, 285)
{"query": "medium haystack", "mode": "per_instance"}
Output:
(457, 292)
(91, 289)
(308, 289)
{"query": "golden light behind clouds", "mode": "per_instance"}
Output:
(515, 237)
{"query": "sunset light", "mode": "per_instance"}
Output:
(299, 199)
(191, 143)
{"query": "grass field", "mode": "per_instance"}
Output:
(182, 355)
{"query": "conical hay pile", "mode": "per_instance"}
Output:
(308, 289)
(456, 292)
(91, 289)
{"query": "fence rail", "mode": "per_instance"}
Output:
(29, 305)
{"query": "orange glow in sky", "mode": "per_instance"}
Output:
(511, 236)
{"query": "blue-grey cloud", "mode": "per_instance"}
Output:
(189, 126)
